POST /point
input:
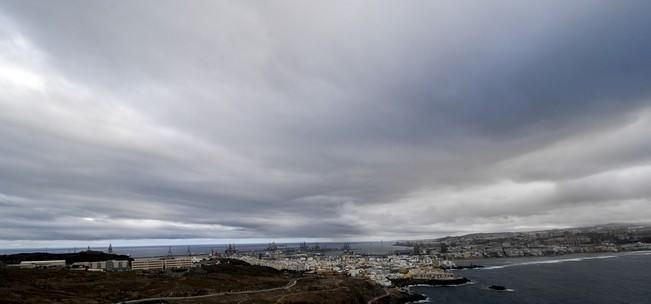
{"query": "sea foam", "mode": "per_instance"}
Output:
(556, 261)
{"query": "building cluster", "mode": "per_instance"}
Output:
(108, 265)
(377, 268)
(149, 264)
(169, 262)
(609, 238)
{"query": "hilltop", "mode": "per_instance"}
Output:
(42, 286)
(82, 256)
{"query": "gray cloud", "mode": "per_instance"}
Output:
(162, 119)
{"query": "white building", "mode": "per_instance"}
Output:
(177, 262)
(43, 264)
(161, 263)
(199, 258)
(109, 265)
(147, 264)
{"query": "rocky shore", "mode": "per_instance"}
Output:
(410, 297)
(431, 282)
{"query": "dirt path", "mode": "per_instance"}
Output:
(386, 294)
(289, 285)
(282, 298)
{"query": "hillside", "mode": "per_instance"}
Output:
(83, 256)
(593, 239)
(31, 286)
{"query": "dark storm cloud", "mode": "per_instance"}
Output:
(162, 119)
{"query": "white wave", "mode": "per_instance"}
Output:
(462, 284)
(548, 262)
(505, 290)
(492, 267)
(426, 300)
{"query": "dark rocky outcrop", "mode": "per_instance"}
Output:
(432, 282)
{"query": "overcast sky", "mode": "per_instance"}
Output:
(162, 121)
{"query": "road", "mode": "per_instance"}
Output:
(281, 299)
(386, 294)
(289, 285)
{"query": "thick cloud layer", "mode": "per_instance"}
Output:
(334, 120)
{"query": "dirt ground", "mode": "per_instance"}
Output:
(66, 286)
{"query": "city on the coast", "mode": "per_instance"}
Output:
(426, 262)
(379, 268)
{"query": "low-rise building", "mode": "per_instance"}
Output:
(43, 264)
(147, 264)
(200, 258)
(109, 265)
(161, 263)
(177, 262)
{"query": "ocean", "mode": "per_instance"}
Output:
(578, 279)
(154, 251)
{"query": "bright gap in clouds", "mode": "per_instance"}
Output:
(20, 78)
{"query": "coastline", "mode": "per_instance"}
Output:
(604, 279)
(429, 282)
(492, 262)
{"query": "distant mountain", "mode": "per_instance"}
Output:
(613, 237)
(612, 227)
